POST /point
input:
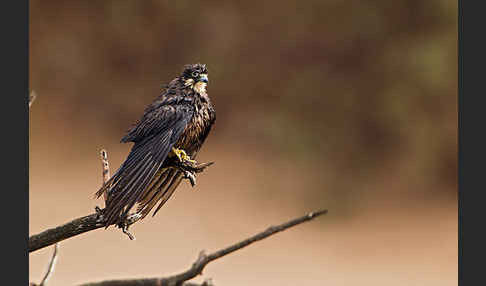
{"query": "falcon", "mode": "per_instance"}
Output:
(169, 134)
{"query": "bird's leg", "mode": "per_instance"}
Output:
(181, 155)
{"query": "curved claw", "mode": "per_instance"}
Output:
(191, 177)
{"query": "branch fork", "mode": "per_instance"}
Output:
(204, 259)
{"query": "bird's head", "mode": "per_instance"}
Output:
(196, 76)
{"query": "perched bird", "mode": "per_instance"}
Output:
(172, 129)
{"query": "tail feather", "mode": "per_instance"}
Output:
(154, 185)
(159, 192)
(124, 199)
(164, 191)
(170, 190)
(160, 184)
(164, 195)
(115, 202)
(135, 196)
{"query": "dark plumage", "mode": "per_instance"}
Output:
(181, 117)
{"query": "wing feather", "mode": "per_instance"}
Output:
(154, 136)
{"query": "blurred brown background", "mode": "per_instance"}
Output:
(345, 105)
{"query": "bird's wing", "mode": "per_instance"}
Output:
(154, 136)
(158, 116)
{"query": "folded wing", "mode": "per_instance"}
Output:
(154, 136)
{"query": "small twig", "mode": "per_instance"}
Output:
(52, 261)
(32, 97)
(105, 169)
(203, 259)
(50, 268)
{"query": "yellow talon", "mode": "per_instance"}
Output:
(182, 155)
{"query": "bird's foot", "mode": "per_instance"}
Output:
(182, 155)
(190, 170)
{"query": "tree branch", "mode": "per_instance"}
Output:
(96, 220)
(75, 227)
(141, 282)
(203, 259)
(70, 229)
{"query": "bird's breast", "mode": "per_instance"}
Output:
(198, 128)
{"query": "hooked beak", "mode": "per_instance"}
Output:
(204, 78)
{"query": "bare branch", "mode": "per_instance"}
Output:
(203, 259)
(32, 97)
(142, 282)
(50, 267)
(70, 229)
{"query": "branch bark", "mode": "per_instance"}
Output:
(203, 259)
(75, 227)
(70, 229)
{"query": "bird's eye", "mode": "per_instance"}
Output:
(195, 73)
